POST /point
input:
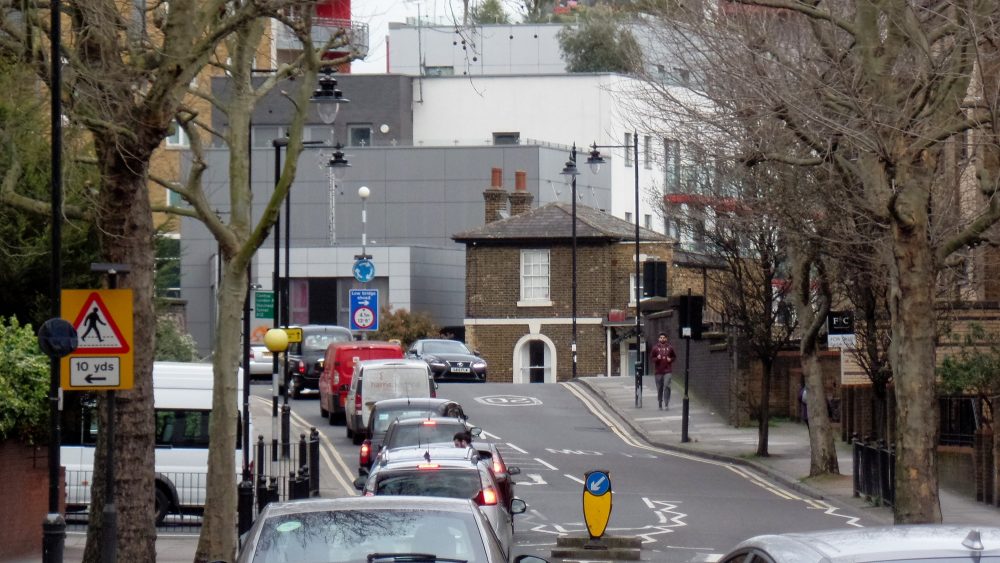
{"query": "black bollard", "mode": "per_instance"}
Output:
(244, 506)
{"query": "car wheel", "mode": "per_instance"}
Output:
(162, 506)
(323, 412)
(350, 433)
(293, 388)
(331, 417)
(358, 438)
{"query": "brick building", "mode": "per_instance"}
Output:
(519, 286)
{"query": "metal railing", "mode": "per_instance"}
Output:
(960, 418)
(874, 471)
(325, 28)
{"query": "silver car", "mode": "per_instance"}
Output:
(917, 543)
(261, 362)
(373, 529)
(444, 471)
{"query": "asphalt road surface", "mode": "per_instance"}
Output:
(685, 509)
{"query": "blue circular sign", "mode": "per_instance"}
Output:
(364, 270)
(598, 483)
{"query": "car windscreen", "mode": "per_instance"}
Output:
(321, 341)
(445, 347)
(440, 482)
(351, 535)
(384, 418)
(420, 434)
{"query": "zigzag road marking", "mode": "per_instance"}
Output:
(751, 476)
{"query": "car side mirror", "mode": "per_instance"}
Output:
(475, 431)
(529, 559)
(513, 470)
(518, 506)
(359, 483)
(477, 353)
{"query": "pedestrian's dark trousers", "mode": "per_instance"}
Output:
(662, 388)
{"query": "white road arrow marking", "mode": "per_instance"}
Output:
(536, 479)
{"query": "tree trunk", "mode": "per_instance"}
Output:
(218, 534)
(765, 407)
(126, 226)
(911, 303)
(823, 452)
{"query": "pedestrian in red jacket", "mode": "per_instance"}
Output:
(663, 366)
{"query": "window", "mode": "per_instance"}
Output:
(359, 135)
(628, 150)
(628, 216)
(647, 221)
(178, 138)
(647, 150)
(508, 138)
(631, 288)
(439, 71)
(535, 276)
(671, 164)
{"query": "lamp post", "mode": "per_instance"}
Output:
(571, 172)
(595, 161)
(276, 341)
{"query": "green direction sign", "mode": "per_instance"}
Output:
(263, 304)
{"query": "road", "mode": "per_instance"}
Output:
(684, 508)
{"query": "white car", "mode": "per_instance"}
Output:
(261, 361)
(911, 544)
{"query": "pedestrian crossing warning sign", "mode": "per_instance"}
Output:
(103, 320)
(99, 333)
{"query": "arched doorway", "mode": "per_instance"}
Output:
(534, 360)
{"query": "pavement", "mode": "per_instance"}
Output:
(710, 436)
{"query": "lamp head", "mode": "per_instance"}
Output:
(327, 97)
(364, 192)
(595, 160)
(338, 160)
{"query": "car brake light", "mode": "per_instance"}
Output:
(487, 497)
(369, 494)
(430, 423)
(357, 402)
(498, 467)
(366, 451)
(251, 354)
(302, 367)
(428, 466)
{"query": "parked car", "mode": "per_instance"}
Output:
(261, 362)
(387, 411)
(918, 543)
(376, 380)
(423, 432)
(338, 370)
(304, 366)
(449, 360)
(445, 471)
(370, 529)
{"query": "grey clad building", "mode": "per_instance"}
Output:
(419, 197)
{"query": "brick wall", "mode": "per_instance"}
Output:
(25, 493)
(493, 288)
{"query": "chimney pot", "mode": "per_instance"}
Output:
(520, 180)
(496, 179)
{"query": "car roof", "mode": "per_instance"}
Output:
(443, 451)
(432, 419)
(392, 362)
(875, 544)
(369, 503)
(419, 402)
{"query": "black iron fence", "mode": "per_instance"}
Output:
(874, 471)
(961, 416)
(281, 471)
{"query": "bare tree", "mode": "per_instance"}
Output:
(876, 89)
(125, 82)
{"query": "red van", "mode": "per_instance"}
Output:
(338, 367)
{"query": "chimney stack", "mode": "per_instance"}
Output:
(521, 198)
(495, 196)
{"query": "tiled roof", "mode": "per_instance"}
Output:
(555, 221)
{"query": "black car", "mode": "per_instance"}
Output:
(450, 360)
(305, 358)
(387, 411)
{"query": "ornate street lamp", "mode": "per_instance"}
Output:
(571, 172)
(595, 160)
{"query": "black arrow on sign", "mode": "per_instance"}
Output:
(92, 378)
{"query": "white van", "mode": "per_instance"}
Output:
(374, 380)
(182, 400)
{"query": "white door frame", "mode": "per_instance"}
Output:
(519, 375)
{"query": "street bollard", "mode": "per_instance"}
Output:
(303, 450)
(244, 506)
(286, 431)
(261, 493)
(314, 462)
(260, 457)
(272, 491)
